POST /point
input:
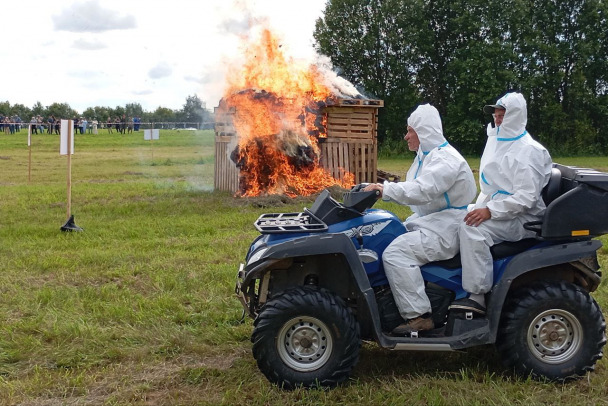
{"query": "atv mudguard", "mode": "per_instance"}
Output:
(532, 260)
(321, 244)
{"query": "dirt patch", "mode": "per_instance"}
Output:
(6, 158)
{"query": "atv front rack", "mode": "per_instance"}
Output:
(276, 223)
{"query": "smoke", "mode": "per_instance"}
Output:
(339, 86)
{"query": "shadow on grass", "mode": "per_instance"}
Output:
(474, 364)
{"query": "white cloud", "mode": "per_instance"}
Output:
(161, 70)
(155, 53)
(89, 16)
(87, 45)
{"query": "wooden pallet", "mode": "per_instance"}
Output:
(226, 173)
(352, 122)
(357, 156)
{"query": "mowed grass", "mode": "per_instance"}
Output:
(140, 309)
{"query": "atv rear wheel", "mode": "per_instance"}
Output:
(306, 337)
(551, 330)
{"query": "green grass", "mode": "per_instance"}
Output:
(139, 308)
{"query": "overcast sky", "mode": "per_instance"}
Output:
(156, 53)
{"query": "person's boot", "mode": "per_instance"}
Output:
(422, 323)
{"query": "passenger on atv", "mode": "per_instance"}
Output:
(513, 171)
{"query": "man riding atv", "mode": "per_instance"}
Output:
(438, 187)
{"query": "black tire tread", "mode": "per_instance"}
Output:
(300, 298)
(524, 301)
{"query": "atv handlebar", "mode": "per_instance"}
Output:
(359, 200)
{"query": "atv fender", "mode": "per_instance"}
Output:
(529, 261)
(322, 244)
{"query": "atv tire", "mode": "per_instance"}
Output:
(551, 330)
(306, 337)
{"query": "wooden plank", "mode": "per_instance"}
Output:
(352, 134)
(346, 121)
(342, 140)
(363, 161)
(344, 158)
(359, 102)
(336, 168)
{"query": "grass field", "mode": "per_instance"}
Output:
(139, 308)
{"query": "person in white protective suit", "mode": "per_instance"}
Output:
(513, 171)
(438, 187)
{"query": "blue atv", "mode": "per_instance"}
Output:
(315, 285)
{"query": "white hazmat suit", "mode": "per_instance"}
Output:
(438, 187)
(513, 171)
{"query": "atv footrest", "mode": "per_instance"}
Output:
(460, 322)
(304, 222)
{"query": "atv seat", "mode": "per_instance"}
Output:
(509, 248)
(499, 251)
(554, 186)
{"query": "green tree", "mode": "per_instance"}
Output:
(134, 110)
(460, 55)
(194, 111)
(25, 113)
(38, 109)
(365, 42)
(61, 111)
(5, 108)
(163, 115)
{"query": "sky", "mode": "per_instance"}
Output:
(89, 53)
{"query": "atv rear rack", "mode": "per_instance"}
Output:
(276, 223)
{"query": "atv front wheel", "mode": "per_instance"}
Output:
(551, 330)
(306, 337)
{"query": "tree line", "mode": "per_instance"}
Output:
(462, 54)
(193, 111)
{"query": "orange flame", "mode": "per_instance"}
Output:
(277, 105)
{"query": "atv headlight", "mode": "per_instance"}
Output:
(257, 255)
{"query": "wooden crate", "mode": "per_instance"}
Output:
(358, 156)
(352, 139)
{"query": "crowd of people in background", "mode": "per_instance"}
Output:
(82, 125)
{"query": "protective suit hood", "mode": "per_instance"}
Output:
(426, 122)
(514, 168)
(516, 116)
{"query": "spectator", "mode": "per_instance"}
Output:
(123, 124)
(51, 122)
(40, 124)
(33, 125)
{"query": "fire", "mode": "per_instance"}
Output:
(277, 106)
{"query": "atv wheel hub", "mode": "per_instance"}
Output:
(555, 336)
(304, 343)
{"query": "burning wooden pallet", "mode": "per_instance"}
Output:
(350, 145)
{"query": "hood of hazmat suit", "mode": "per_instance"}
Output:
(439, 181)
(514, 168)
